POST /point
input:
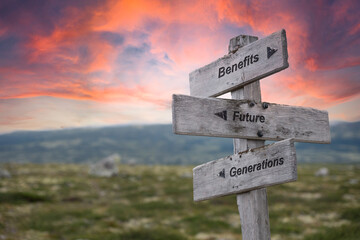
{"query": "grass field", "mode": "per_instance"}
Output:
(61, 201)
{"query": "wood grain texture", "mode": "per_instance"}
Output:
(222, 177)
(254, 214)
(240, 41)
(252, 205)
(205, 82)
(206, 117)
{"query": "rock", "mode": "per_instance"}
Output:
(4, 173)
(106, 167)
(353, 181)
(132, 161)
(322, 172)
(187, 175)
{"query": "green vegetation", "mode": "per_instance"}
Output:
(61, 201)
(21, 197)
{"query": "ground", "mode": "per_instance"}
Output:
(62, 201)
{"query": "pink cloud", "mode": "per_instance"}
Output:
(142, 51)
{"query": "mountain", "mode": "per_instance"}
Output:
(344, 147)
(156, 144)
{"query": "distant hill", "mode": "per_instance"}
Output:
(344, 147)
(156, 144)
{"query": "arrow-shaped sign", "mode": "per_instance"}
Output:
(245, 171)
(248, 64)
(248, 119)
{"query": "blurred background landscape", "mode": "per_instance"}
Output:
(51, 192)
(86, 144)
(156, 144)
(62, 201)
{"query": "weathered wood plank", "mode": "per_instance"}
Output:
(254, 214)
(252, 169)
(252, 205)
(247, 119)
(250, 63)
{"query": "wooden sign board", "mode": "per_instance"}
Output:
(252, 169)
(216, 117)
(250, 63)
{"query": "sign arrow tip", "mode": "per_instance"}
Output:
(222, 114)
(222, 173)
(270, 51)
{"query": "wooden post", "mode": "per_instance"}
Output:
(253, 206)
(242, 68)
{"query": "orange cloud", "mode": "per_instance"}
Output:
(78, 91)
(137, 51)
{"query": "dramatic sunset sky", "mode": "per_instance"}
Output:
(69, 63)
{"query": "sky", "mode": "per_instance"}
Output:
(70, 63)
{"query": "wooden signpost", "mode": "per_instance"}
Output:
(248, 64)
(260, 167)
(216, 117)
(245, 118)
